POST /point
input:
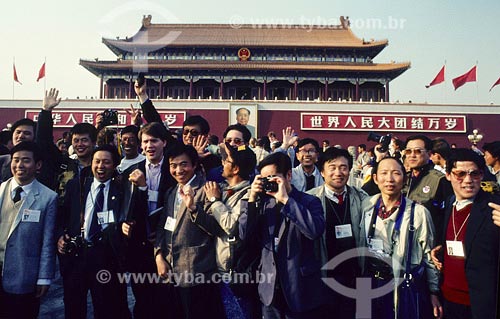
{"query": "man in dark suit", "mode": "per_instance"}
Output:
(27, 221)
(286, 223)
(185, 243)
(90, 241)
(470, 242)
(149, 178)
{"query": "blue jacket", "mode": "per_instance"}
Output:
(30, 250)
(296, 226)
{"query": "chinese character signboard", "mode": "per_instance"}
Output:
(68, 118)
(383, 122)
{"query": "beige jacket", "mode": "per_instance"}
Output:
(227, 214)
(423, 240)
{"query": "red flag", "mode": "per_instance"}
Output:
(438, 79)
(16, 79)
(495, 84)
(464, 78)
(41, 73)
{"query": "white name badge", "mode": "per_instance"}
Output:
(455, 248)
(152, 196)
(343, 231)
(170, 224)
(105, 217)
(376, 244)
(31, 216)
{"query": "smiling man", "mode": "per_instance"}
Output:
(425, 185)
(343, 212)
(89, 240)
(130, 146)
(306, 176)
(27, 221)
(468, 254)
(183, 246)
(83, 137)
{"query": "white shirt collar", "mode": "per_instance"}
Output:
(330, 194)
(26, 188)
(459, 204)
(159, 164)
(96, 183)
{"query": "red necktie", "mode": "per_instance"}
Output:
(340, 198)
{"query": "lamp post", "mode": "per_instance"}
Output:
(475, 137)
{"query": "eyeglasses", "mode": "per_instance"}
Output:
(236, 141)
(310, 152)
(474, 174)
(416, 150)
(225, 160)
(192, 132)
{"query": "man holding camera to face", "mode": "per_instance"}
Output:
(286, 222)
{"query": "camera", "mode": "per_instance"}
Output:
(269, 186)
(109, 117)
(73, 245)
(383, 140)
(140, 79)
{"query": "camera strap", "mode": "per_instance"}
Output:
(84, 181)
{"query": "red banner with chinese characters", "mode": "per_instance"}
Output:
(68, 118)
(383, 122)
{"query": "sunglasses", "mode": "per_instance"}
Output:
(474, 174)
(236, 141)
(416, 150)
(192, 132)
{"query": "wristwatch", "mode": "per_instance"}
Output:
(213, 199)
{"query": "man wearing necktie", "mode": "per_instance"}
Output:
(343, 212)
(284, 224)
(90, 241)
(27, 221)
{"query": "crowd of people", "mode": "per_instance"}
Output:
(178, 210)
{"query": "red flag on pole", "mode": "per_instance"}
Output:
(438, 79)
(464, 78)
(495, 84)
(41, 73)
(16, 79)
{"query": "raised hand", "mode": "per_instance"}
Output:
(289, 137)
(135, 115)
(50, 100)
(141, 91)
(212, 190)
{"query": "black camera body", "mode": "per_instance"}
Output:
(141, 79)
(383, 140)
(109, 117)
(269, 186)
(73, 245)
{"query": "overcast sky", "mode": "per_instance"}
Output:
(427, 33)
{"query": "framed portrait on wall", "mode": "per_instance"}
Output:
(244, 114)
